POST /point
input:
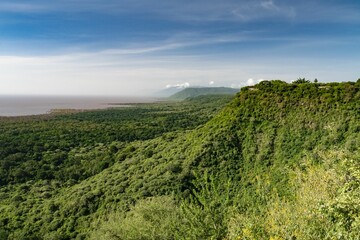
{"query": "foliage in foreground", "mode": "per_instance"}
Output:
(323, 207)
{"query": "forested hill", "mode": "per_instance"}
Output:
(194, 92)
(281, 161)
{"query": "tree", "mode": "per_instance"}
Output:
(301, 80)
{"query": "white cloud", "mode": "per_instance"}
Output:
(179, 85)
(250, 82)
(211, 83)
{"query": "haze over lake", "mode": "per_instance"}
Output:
(33, 105)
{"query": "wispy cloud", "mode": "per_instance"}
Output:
(175, 42)
(270, 5)
(99, 74)
(199, 10)
(264, 10)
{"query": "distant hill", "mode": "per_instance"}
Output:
(167, 92)
(194, 92)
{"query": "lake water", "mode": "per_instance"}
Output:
(33, 105)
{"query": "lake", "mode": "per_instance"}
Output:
(34, 105)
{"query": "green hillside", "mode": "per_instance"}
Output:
(281, 161)
(194, 92)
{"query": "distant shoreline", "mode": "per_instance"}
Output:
(77, 110)
(24, 106)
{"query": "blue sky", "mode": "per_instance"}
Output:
(135, 47)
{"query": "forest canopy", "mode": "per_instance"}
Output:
(277, 161)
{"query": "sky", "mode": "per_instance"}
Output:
(137, 47)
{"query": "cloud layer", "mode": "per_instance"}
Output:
(134, 47)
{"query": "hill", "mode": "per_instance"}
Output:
(194, 92)
(281, 161)
(167, 92)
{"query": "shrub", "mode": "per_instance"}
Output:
(150, 218)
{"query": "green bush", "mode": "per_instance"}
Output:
(204, 215)
(151, 218)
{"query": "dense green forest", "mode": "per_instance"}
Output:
(277, 161)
